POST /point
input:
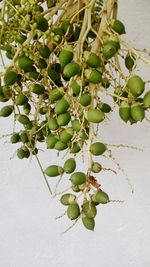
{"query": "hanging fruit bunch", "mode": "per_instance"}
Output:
(63, 56)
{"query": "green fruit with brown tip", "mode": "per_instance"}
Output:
(76, 125)
(23, 119)
(44, 51)
(10, 77)
(6, 111)
(38, 89)
(146, 100)
(85, 99)
(96, 167)
(118, 27)
(125, 111)
(92, 60)
(89, 209)
(78, 178)
(68, 199)
(95, 115)
(101, 197)
(63, 119)
(97, 149)
(71, 69)
(89, 223)
(60, 146)
(52, 124)
(136, 85)
(109, 50)
(42, 23)
(137, 112)
(51, 140)
(70, 165)
(93, 76)
(65, 56)
(54, 170)
(15, 138)
(73, 211)
(129, 62)
(61, 106)
(21, 99)
(55, 95)
(66, 135)
(25, 63)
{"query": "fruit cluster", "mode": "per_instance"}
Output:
(63, 56)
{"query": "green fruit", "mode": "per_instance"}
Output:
(51, 140)
(89, 209)
(71, 69)
(63, 119)
(10, 77)
(78, 178)
(15, 138)
(21, 39)
(25, 63)
(65, 57)
(69, 165)
(73, 211)
(125, 111)
(55, 95)
(104, 107)
(27, 108)
(52, 124)
(38, 89)
(89, 223)
(54, 170)
(42, 63)
(137, 112)
(75, 148)
(21, 99)
(109, 50)
(44, 51)
(101, 197)
(92, 60)
(68, 199)
(6, 111)
(66, 135)
(75, 188)
(42, 23)
(85, 99)
(97, 149)
(76, 125)
(95, 116)
(93, 76)
(118, 27)
(146, 100)
(34, 75)
(24, 137)
(60, 146)
(96, 167)
(129, 62)
(23, 119)
(23, 153)
(136, 85)
(76, 87)
(61, 106)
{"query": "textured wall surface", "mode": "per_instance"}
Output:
(30, 235)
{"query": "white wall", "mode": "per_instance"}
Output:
(29, 234)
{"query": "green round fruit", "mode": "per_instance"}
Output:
(96, 167)
(95, 116)
(60, 146)
(66, 135)
(65, 57)
(125, 111)
(76, 87)
(89, 209)
(71, 69)
(75, 148)
(20, 153)
(27, 108)
(129, 62)
(21, 99)
(25, 63)
(44, 51)
(24, 137)
(54, 75)
(92, 60)
(109, 50)
(38, 89)
(93, 76)
(136, 85)
(101, 197)
(89, 223)
(61, 106)
(42, 23)
(23, 119)
(63, 119)
(15, 138)
(42, 63)
(54, 170)
(78, 178)
(6, 111)
(55, 95)
(76, 125)
(51, 140)
(118, 27)
(10, 77)
(68, 199)
(104, 107)
(137, 112)
(97, 149)
(146, 100)
(85, 99)
(70, 165)
(73, 211)
(52, 124)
